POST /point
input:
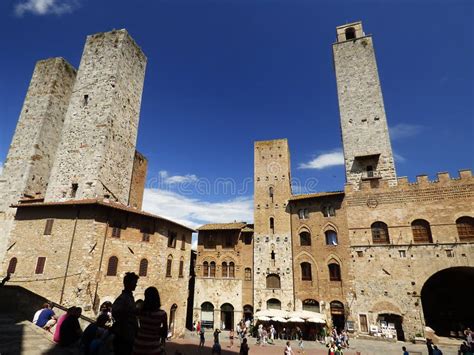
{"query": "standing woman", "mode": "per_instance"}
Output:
(153, 328)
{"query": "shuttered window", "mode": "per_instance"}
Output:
(465, 226)
(12, 266)
(142, 271)
(306, 272)
(40, 265)
(112, 266)
(421, 231)
(169, 264)
(49, 227)
(181, 268)
(231, 270)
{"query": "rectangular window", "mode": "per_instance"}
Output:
(228, 243)
(402, 253)
(248, 239)
(183, 242)
(450, 253)
(40, 265)
(360, 253)
(74, 190)
(181, 268)
(172, 236)
(49, 227)
(116, 232)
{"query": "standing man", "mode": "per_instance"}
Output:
(125, 314)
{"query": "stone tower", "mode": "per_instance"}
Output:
(273, 272)
(96, 154)
(367, 150)
(32, 151)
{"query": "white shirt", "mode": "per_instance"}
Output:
(36, 316)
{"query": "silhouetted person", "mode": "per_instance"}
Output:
(70, 332)
(244, 348)
(94, 332)
(153, 328)
(125, 315)
(429, 345)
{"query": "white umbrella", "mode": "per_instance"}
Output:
(279, 319)
(296, 320)
(316, 320)
(264, 318)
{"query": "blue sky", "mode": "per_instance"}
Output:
(222, 74)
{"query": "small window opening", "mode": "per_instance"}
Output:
(86, 100)
(350, 33)
(272, 225)
(270, 193)
(74, 189)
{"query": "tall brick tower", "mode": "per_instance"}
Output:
(273, 271)
(96, 154)
(37, 135)
(367, 150)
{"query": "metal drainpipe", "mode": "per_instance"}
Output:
(101, 259)
(69, 254)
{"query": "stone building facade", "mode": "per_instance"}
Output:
(73, 183)
(381, 252)
(224, 275)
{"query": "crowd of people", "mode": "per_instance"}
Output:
(124, 327)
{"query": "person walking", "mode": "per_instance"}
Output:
(231, 338)
(405, 352)
(153, 330)
(216, 348)
(244, 348)
(201, 338)
(299, 334)
(125, 315)
(288, 350)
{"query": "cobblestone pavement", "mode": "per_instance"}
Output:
(189, 346)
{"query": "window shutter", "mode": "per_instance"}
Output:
(40, 265)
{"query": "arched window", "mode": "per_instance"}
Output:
(205, 269)
(143, 267)
(112, 266)
(305, 238)
(334, 272)
(273, 303)
(248, 274)
(272, 225)
(12, 266)
(350, 33)
(380, 233)
(207, 315)
(273, 281)
(465, 226)
(421, 231)
(306, 271)
(169, 265)
(181, 267)
(225, 270)
(311, 305)
(212, 269)
(270, 192)
(331, 237)
(231, 269)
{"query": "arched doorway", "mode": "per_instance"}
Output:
(273, 303)
(337, 315)
(248, 312)
(173, 309)
(207, 315)
(390, 320)
(227, 316)
(446, 298)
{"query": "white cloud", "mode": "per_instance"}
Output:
(46, 7)
(194, 212)
(404, 130)
(398, 158)
(325, 160)
(177, 179)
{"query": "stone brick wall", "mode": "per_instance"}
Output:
(362, 113)
(272, 170)
(219, 290)
(137, 186)
(319, 254)
(100, 130)
(33, 148)
(78, 251)
(389, 277)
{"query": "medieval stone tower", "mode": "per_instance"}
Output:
(367, 150)
(96, 153)
(273, 271)
(33, 149)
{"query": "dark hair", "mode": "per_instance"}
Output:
(102, 320)
(129, 278)
(152, 299)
